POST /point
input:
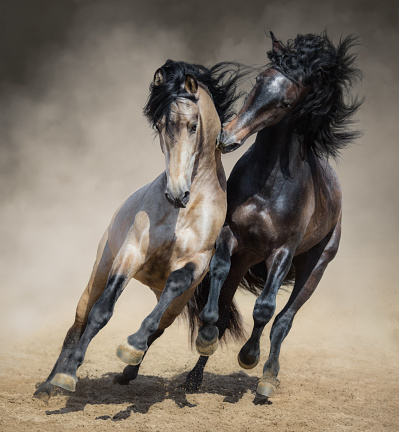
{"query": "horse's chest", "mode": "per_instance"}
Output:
(260, 226)
(168, 255)
(157, 267)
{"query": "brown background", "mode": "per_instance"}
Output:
(74, 77)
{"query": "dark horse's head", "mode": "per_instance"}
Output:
(173, 110)
(306, 84)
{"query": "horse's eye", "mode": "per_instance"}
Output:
(193, 128)
(285, 105)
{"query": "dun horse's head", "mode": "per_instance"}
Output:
(272, 99)
(181, 135)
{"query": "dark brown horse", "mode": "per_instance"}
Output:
(284, 199)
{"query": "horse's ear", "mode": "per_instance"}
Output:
(277, 45)
(158, 77)
(191, 84)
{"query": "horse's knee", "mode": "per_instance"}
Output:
(220, 267)
(263, 311)
(99, 317)
(179, 281)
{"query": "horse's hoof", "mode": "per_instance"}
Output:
(266, 388)
(65, 381)
(205, 348)
(43, 392)
(129, 354)
(247, 365)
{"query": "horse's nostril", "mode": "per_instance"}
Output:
(186, 197)
(169, 198)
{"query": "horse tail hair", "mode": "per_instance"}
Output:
(255, 278)
(234, 325)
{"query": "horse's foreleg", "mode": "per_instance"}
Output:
(309, 268)
(130, 372)
(175, 308)
(124, 266)
(177, 284)
(278, 266)
(91, 294)
(207, 340)
(240, 263)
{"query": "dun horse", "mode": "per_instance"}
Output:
(164, 234)
(284, 199)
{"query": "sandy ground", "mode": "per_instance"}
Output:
(327, 383)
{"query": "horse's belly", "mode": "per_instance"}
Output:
(153, 280)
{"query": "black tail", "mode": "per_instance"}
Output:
(255, 278)
(232, 328)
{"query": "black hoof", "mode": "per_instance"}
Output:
(118, 379)
(247, 361)
(261, 400)
(129, 374)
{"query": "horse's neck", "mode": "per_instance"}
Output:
(208, 166)
(277, 151)
(208, 169)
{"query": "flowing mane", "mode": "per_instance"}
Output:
(324, 117)
(221, 80)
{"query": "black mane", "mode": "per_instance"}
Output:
(221, 80)
(329, 72)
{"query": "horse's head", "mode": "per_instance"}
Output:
(272, 99)
(191, 118)
(307, 84)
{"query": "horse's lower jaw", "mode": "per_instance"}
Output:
(129, 354)
(229, 148)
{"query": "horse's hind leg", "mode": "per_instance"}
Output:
(278, 265)
(123, 268)
(309, 268)
(93, 291)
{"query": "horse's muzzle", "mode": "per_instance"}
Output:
(179, 202)
(227, 144)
